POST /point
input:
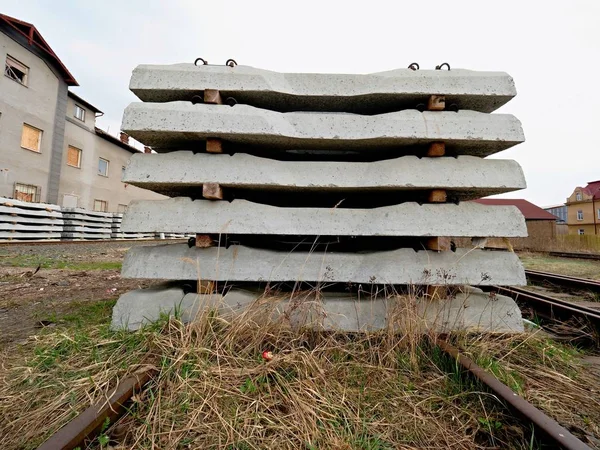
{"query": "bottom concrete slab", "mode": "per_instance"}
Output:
(471, 310)
(403, 266)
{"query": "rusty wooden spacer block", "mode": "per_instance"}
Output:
(436, 103)
(439, 244)
(437, 196)
(436, 292)
(214, 145)
(436, 149)
(212, 97)
(212, 191)
(204, 241)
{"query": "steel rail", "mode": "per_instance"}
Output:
(564, 280)
(552, 429)
(89, 423)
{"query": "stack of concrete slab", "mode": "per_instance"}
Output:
(83, 224)
(21, 220)
(117, 233)
(321, 178)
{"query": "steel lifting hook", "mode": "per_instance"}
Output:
(442, 65)
(204, 62)
(413, 66)
(231, 63)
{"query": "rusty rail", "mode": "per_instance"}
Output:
(87, 424)
(552, 429)
(564, 280)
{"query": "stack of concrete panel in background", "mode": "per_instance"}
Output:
(116, 232)
(323, 178)
(83, 224)
(21, 220)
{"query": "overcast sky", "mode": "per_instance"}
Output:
(551, 48)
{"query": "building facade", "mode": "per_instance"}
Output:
(583, 210)
(50, 148)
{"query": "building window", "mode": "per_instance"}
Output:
(598, 213)
(15, 70)
(27, 192)
(121, 208)
(100, 205)
(580, 215)
(74, 156)
(79, 113)
(581, 231)
(578, 196)
(103, 167)
(31, 138)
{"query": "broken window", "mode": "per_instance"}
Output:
(73, 156)
(27, 192)
(15, 70)
(31, 138)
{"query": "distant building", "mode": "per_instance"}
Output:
(50, 148)
(540, 223)
(560, 211)
(583, 215)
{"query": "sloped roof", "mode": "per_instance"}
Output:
(593, 189)
(528, 209)
(32, 37)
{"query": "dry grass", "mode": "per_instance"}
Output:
(321, 390)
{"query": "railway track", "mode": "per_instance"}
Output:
(594, 256)
(563, 280)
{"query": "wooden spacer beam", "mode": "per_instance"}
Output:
(214, 145)
(206, 286)
(204, 241)
(436, 103)
(437, 196)
(436, 149)
(212, 191)
(212, 97)
(438, 244)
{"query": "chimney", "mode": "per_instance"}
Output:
(124, 138)
(147, 149)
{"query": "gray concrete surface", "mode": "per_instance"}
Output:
(403, 266)
(181, 125)
(29, 220)
(359, 93)
(244, 217)
(471, 310)
(29, 227)
(467, 177)
(7, 235)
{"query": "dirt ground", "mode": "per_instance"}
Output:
(41, 283)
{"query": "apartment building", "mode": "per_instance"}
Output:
(583, 209)
(50, 148)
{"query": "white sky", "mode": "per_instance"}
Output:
(551, 48)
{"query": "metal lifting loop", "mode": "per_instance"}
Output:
(204, 62)
(231, 101)
(231, 63)
(442, 65)
(414, 66)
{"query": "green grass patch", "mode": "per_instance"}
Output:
(55, 263)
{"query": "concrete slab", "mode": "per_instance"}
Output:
(471, 310)
(29, 227)
(9, 202)
(182, 125)
(359, 93)
(404, 266)
(23, 212)
(83, 235)
(87, 212)
(7, 235)
(244, 217)
(84, 229)
(29, 220)
(467, 177)
(101, 221)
